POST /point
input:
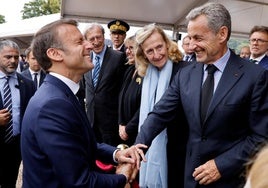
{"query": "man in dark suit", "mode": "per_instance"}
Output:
(102, 99)
(259, 45)
(58, 144)
(189, 54)
(234, 125)
(21, 90)
(34, 71)
(23, 64)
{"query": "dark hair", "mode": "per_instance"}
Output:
(27, 52)
(257, 28)
(48, 37)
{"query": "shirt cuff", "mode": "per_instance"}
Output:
(114, 155)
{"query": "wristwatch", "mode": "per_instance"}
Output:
(122, 146)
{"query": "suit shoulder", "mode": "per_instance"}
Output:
(24, 77)
(116, 52)
(116, 55)
(24, 72)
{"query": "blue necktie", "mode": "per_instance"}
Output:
(187, 58)
(8, 105)
(96, 70)
(35, 80)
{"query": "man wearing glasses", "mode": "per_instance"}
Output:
(258, 40)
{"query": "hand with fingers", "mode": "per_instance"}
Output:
(132, 155)
(5, 116)
(122, 132)
(127, 170)
(207, 173)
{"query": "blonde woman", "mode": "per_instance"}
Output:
(130, 97)
(257, 174)
(158, 59)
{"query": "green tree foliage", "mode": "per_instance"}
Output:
(2, 19)
(37, 8)
(236, 44)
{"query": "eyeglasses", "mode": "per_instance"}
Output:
(261, 41)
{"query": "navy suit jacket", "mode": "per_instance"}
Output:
(27, 74)
(102, 101)
(58, 144)
(264, 62)
(27, 90)
(235, 125)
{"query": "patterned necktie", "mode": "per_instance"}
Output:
(35, 80)
(253, 61)
(207, 91)
(8, 105)
(187, 58)
(96, 70)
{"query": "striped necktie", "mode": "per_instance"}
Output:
(8, 105)
(96, 70)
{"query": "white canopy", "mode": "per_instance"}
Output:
(22, 32)
(168, 13)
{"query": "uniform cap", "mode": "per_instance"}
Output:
(118, 26)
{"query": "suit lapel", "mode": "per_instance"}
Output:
(104, 64)
(1, 101)
(29, 74)
(264, 62)
(230, 77)
(70, 95)
(102, 68)
(21, 89)
(195, 78)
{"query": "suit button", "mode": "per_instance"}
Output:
(204, 138)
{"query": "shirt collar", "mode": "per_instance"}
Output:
(32, 72)
(118, 49)
(71, 84)
(101, 54)
(221, 63)
(12, 75)
(258, 59)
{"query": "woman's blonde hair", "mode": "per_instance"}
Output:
(174, 53)
(129, 40)
(258, 172)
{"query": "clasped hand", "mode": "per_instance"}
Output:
(5, 116)
(129, 161)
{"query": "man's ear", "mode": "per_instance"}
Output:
(223, 33)
(54, 54)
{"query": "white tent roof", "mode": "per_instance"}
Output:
(169, 13)
(22, 32)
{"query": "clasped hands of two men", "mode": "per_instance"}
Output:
(129, 160)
